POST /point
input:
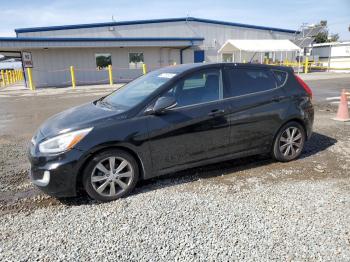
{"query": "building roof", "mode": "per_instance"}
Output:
(151, 21)
(18, 43)
(344, 43)
(102, 39)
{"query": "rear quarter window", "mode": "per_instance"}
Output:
(244, 81)
(281, 77)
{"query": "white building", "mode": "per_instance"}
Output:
(335, 55)
(126, 45)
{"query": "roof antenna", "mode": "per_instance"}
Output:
(252, 58)
(187, 17)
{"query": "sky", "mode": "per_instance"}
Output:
(273, 13)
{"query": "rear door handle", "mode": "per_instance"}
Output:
(216, 112)
(277, 98)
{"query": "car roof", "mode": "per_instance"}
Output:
(178, 69)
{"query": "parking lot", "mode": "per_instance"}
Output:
(245, 209)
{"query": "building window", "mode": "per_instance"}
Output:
(135, 60)
(103, 61)
(227, 58)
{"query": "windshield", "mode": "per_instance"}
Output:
(136, 91)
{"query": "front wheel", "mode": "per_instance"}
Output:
(110, 175)
(289, 142)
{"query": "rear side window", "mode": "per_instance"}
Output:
(243, 81)
(281, 77)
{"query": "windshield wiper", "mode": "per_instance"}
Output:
(104, 103)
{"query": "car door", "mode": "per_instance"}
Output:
(257, 107)
(196, 129)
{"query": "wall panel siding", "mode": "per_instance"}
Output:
(51, 67)
(171, 29)
(175, 29)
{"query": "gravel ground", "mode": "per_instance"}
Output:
(246, 209)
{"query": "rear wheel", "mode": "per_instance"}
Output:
(289, 142)
(110, 175)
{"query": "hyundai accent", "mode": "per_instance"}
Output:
(172, 119)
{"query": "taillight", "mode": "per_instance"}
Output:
(304, 85)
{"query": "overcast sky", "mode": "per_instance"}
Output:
(282, 14)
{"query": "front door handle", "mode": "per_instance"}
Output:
(216, 112)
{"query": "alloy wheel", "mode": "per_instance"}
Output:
(112, 176)
(291, 142)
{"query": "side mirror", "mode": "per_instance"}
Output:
(163, 103)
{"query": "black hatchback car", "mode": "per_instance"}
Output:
(168, 120)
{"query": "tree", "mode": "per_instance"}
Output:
(334, 37)
(323, 36)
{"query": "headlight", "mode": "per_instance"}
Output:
(63, 142)
(33, 141)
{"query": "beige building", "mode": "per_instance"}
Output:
(126, 45)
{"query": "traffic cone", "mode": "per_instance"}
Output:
(343, 111)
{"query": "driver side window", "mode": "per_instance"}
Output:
(200, 87)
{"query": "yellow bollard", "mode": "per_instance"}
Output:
(110, 73)
(9, 77)
(306, 67)
(144, 69)
(72, 76)
(3, 78)
(30, 79)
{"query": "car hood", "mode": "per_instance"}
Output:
(79, 117)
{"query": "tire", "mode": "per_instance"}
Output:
(103, 185)
(287, 145)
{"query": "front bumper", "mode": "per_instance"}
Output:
(56, 175)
